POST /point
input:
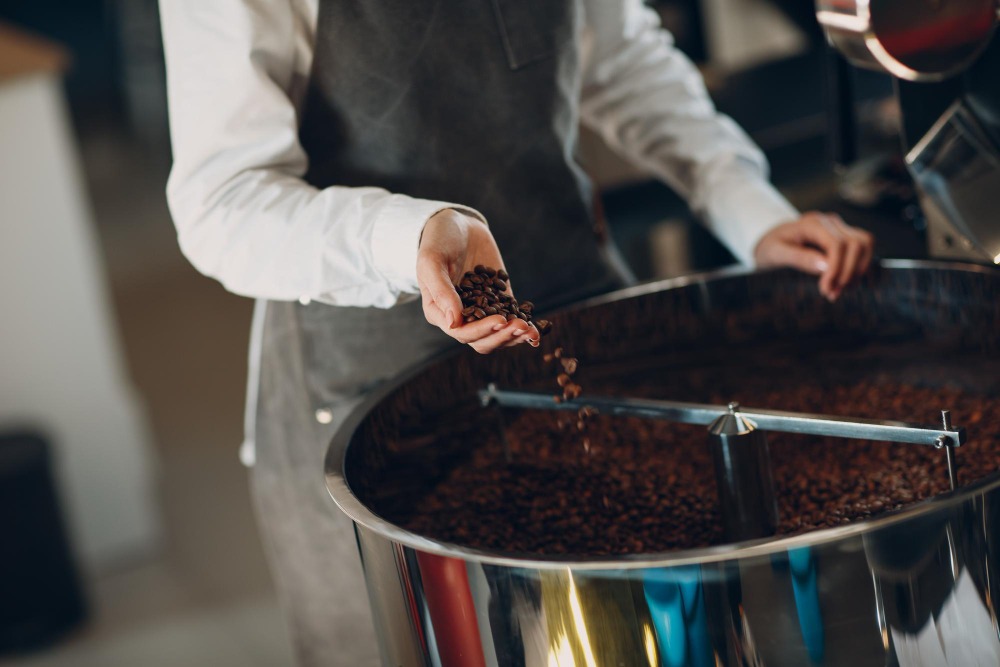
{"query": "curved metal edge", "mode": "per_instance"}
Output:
(739, 270)
(859, 26)
(897, 68)
(350, 504)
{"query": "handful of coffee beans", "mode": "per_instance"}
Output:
(484, 292)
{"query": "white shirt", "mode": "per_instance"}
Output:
(237, 72)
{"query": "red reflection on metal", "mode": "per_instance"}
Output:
(452, 611)
(946, 33)
(411, 599)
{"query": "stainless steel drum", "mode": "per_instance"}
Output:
(911, 587)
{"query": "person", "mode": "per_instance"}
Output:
(345, 162)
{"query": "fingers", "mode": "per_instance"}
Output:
(820, 244)
(857, 246)
(514, 333)
(868, 253)
(803, 258)
(478, 330)
(843, 248)
(529, 336)
(492, 333)
(852, 254)
(865, 243)
(822, 233)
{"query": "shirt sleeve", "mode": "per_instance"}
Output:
(236, 73)
(648, 102)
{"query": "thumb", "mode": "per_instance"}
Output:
(436, 285)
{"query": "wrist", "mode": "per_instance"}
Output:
(452, 222)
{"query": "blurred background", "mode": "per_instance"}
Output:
(128, 534)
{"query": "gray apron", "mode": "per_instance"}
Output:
(469, 101)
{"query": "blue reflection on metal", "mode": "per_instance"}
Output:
(677, 607)
(802, 563)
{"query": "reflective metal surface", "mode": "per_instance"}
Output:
(915, 40)
(957, 168)
(912, 587)
(767, 420)
(743, 477)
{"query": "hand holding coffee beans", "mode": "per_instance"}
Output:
(452, 242)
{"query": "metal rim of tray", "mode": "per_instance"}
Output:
(351, 505)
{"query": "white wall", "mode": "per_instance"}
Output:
(61, 366)
(743, 33)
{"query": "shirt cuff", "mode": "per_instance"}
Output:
(742, 206)
(396, 238)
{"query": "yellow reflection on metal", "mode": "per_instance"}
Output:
(561, 654)
(649, 640)
(593, 621)
(572, 626)
(581, 626)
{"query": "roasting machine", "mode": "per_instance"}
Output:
(908, 587)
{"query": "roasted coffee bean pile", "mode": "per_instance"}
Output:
(484, 292)
(560, 498)
(646, 486)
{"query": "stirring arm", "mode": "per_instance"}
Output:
(768, 420)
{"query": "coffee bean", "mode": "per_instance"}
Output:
(482, 292)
